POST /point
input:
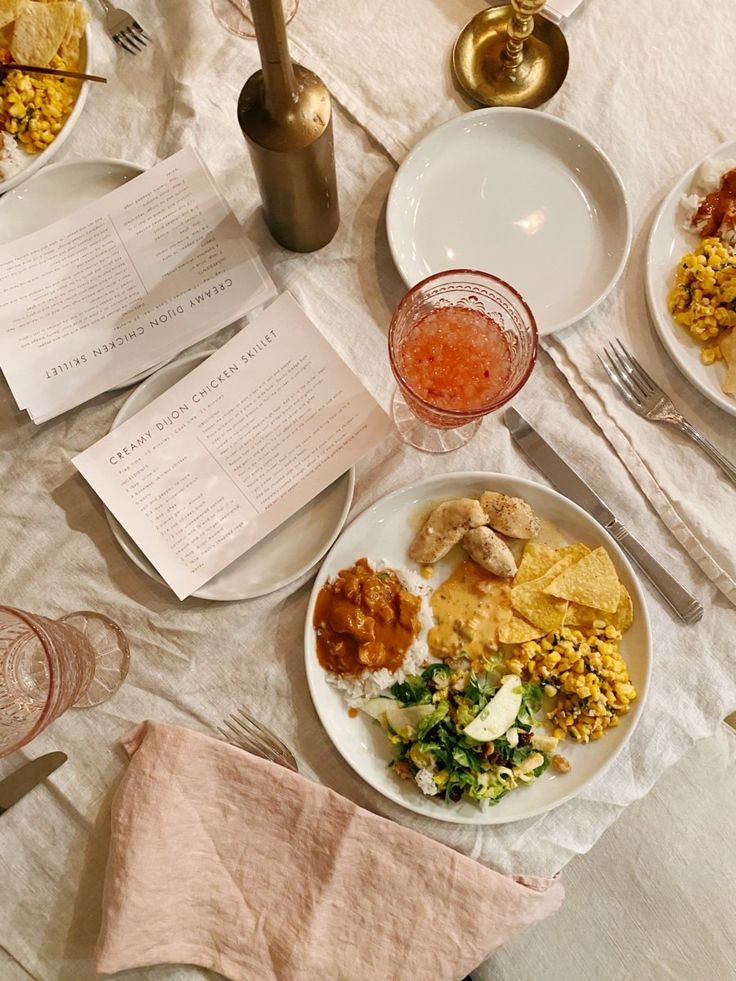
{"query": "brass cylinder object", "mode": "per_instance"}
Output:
(285, 113)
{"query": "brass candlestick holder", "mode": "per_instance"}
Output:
(504, 57)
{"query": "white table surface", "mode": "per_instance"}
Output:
(194, 662)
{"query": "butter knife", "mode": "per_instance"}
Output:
(26, 777)
(567, 482)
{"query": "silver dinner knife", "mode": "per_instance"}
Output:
(567, 481)
(26, 777)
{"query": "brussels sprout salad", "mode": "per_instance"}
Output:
(458, 733)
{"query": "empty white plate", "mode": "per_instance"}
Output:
(519, 194)
(59, 190)
(668, 242)
(277, 560)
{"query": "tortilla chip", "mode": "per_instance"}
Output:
(9, 10)
(592, 581)
(546, 612)
(536, 560)
(518, 631)
(71, 45)
(583, 616)
(624, 615)
(39, 31)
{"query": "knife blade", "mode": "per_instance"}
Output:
(26, 777)
(548, 462)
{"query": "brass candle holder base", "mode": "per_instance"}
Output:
(503, 57)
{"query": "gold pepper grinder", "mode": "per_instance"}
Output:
(285, 113)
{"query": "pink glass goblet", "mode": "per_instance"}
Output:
(47, 666)
(235, 15)
(461, 344)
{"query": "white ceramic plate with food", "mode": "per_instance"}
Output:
(519, 194)
(383, 533)
(32, 163)
(668, 242)
(282, 557)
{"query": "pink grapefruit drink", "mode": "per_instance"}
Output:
(461, 344)
(454, 358)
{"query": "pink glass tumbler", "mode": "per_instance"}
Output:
(47, 666)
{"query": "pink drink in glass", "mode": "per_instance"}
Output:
(454, 358)
(461, 344)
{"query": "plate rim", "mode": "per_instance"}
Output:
(6, 196)
(491, 817)
(498, 113)
(66, 130)
(665, 327)
(124, 540)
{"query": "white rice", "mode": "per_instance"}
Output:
(372, 683)
(707, 179)
(12, 157)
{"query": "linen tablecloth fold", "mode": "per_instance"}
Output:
(232, 863)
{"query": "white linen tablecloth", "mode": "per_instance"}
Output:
(194, 662)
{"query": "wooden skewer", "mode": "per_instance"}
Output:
(33, 70)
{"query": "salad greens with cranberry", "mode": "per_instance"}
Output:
(458, 733)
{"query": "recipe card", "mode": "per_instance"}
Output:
(121, 285)
(236, 447)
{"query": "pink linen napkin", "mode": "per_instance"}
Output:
(225, 861)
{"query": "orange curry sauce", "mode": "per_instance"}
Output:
(364, 619)
(717, 211)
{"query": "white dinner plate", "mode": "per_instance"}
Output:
(280, 558)
(58, 191)
(668, 242)
(384, 532)
(34, 163)
(519, 194)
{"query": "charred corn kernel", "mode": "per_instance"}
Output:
(585, 674)
(703, 293)
(33, 108)
(441, 778)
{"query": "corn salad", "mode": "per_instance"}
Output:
(585, 676)
(703, 299)
(33, 108)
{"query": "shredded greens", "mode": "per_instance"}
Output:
(441, 758)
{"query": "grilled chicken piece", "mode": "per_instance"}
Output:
(510, 515)
(490, 552)
(444, 528)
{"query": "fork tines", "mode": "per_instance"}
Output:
(633, 382)
(248, 734)
(133, 38)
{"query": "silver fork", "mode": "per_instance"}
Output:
(251, 735)
(646, 398)
(124, 29)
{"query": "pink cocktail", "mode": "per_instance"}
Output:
(461, 344)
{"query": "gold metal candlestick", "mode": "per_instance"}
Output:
(504, 57)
